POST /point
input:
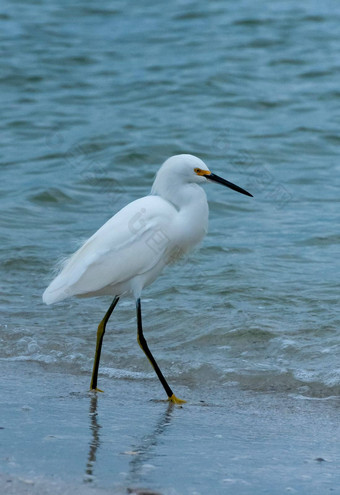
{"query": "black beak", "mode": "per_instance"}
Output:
(216, 178)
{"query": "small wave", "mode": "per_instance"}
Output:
(268, 381)
(320, 240)
(38, 358)
(126, 374)
(51, 195)
(285, 382)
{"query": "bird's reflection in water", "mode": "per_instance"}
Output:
(143, 451)
(95, 441)
(140, 453)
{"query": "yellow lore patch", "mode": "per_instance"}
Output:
(199, 171)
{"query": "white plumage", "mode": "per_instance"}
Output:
(130, 250)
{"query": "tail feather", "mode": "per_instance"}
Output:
(54, 294)
(61, 287)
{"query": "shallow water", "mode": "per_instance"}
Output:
(63, 440)
(93, 100)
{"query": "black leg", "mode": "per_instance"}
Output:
(143, 344)
(100, 335)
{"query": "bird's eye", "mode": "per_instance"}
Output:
(197, 170)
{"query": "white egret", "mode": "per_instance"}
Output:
(131, 249)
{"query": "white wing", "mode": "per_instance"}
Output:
(131, 243)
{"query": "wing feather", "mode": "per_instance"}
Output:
(123, 248)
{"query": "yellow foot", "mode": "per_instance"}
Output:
(96, 390)
(176, 400)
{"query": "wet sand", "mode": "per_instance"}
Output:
(58, 438)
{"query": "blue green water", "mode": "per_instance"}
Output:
(93, 99)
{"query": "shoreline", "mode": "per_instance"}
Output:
(126, 440)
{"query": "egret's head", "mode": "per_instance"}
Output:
(183, 169)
